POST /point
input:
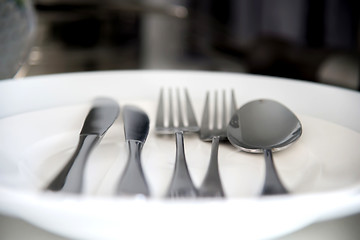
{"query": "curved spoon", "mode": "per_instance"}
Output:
(264, 126)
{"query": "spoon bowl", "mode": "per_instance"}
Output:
(264, 126)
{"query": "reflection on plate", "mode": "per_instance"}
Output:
(321, 171)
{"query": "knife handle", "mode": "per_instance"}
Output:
(133, 180)
(70, 178)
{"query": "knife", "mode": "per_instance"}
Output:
(136, 128)
(101, 116)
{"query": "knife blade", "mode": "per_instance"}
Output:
(100, 118)
(136, 129)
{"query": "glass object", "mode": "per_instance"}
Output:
(17, 31)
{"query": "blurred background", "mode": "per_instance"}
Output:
(315, 41)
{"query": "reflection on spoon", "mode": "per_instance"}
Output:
(264, 126)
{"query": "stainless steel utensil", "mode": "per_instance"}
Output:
(215, 132)
(136, 128)
(181, 184)
(101, 116)
(265, 126)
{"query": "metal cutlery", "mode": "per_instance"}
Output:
(265, 126)
(101, 116)
(181, 184)
(136, 128)
(212, 129)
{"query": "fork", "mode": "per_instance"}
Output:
(211, 185)
(181, 185)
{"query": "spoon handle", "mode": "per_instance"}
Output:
(272, 183)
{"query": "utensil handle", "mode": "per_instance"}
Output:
(181, 184)
(211, 186)
(272, 183)
(70, 178)
(133, 181)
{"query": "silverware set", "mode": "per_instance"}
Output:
(259, 126)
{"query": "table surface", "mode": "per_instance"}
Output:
(346, 228)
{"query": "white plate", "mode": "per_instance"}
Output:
(43, 115)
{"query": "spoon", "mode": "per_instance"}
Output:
(264, 126)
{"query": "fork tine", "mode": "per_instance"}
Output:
(180, 114)
(171, 123)
(191, 119)
(224, 112)
(215, 115)
(205, 116)
(160, 111)
(233, 103)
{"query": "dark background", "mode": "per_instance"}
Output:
(301, 39)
